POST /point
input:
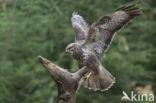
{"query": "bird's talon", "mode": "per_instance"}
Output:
(88, 75)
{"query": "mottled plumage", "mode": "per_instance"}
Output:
(81, 28)
(91, 43)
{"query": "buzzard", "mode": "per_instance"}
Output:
(91, 43)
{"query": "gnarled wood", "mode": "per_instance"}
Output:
(68, 83)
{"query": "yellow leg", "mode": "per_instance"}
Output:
(87, 75)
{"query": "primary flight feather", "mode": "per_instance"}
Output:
(91, 43)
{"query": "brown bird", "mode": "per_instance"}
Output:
(91, 43)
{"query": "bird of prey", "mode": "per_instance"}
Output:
(91, 43)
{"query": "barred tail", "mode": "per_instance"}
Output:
(102, 81)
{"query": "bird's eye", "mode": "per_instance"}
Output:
(70, 48)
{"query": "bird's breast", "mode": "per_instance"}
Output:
(80, 57)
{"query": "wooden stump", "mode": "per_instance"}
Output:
(68, 83)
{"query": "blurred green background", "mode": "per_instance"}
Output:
(29, 28)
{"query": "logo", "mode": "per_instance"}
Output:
(137, 97)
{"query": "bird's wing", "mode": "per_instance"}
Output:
(80, 26)
(102, 31)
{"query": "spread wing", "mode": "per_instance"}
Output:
(81, 28)
(102, 31)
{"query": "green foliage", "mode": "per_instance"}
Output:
(29, 28)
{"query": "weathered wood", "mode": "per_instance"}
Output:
(68, 83)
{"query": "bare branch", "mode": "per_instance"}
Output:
(68, 83)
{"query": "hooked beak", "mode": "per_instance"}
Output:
(66, 51)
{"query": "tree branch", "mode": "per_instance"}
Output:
(68, 83)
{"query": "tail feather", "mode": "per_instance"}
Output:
(102, 81)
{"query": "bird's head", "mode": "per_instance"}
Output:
(71, 48)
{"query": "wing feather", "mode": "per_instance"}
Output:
(102, 31)
(80, 26)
